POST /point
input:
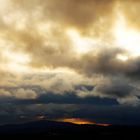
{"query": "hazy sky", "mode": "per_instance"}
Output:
(70, 59)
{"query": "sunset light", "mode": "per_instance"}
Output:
(69, 67)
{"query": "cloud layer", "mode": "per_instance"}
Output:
(66, 53)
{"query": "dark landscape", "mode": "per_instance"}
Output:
(50, 129)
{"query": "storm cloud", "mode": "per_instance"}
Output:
(72, 53)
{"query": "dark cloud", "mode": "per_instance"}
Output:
(122, 90)
(93, 84)
(115, 89)
(71, 98)
(103, 114)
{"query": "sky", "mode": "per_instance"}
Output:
(70, 60)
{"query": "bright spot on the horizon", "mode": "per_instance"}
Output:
(81, 121)
(76, 121)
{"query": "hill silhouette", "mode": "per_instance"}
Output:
(51, 129)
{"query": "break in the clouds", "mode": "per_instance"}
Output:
(69, 52)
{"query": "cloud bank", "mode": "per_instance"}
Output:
(65, 52)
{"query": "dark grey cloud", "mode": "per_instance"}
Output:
(67, 98)
(119, 89)
(116, 87)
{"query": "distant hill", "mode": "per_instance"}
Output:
(51, 129)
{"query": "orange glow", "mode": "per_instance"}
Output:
(80, 121)
(76, 121)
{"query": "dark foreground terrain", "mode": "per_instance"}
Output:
(49, 129)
